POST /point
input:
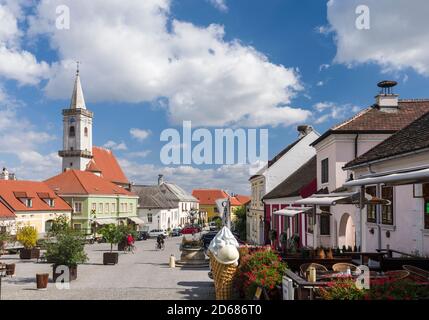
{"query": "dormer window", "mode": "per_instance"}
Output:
(28, 203)
(46, 197)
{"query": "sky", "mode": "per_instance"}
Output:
(149, 65)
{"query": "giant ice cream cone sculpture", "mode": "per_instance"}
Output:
(224, 257)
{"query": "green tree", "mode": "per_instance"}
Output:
(113, 234)
(60, 225)
(67, 249)
(240, 222)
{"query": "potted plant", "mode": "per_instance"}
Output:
(27, 236)
(113, 235)
(66, 250)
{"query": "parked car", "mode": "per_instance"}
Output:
(156, 232)
(176, 232)
(191, 230)
(142, 235)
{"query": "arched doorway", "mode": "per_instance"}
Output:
(346, 232)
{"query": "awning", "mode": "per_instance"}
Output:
(332, 199)
(399, 178)
(103, 222)
(136, 220)
(291, 212)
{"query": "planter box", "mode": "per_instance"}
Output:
(42, 281)
(72, 273)
(28, 254)
(110, 258)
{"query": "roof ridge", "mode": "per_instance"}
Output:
(80, 182)
(414, 100)
(357, 115)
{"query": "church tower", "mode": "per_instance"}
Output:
(77, 131)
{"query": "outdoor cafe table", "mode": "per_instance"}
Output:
(331, 275)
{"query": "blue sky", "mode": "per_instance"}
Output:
(328, 68)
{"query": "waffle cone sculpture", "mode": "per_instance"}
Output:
(224, 275)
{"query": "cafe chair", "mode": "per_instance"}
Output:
(342, 267)
(304, 267)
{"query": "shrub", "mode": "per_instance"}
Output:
(68, 249)
(112, 234)
(397, 290)
(262, 268)
(342, 289)
(27, 235)
(60, 224)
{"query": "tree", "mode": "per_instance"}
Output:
(112, 234)
(59, 225)
(240, 222)
(68, 249)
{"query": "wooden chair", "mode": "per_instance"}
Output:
(342, 267)
(304, 267)
(397, 274)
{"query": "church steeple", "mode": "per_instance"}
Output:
(77, 100)
(77, 133)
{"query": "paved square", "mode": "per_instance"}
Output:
(143, 275)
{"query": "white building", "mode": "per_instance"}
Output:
(342, 144)
(285, 163)
(396, 169)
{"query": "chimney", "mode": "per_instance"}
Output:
(304, 129)
(386, 100)
(4, 175)
(160, 179)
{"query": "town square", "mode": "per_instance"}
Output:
(177, 150)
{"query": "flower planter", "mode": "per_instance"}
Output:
(110, 258)
(10, 269)
(42, 280)
(27, 254)
(72, 273)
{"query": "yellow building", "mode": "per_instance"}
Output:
(31, 203)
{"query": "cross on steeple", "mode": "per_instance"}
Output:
(77, 67)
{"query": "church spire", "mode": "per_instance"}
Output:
(77, 100)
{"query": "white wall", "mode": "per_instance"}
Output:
(160, 218)
(290, 162)
(408, 233)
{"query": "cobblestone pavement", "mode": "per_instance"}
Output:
(143, 275)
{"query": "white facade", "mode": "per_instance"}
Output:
(339, 149)
(290, 161)
(270, 177)
(159, 218)
(407, 233)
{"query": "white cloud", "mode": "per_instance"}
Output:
(115, 145)
(320, 83)
(139, 134)
(398, 37)
(23, 141)
(228, 177)
(136, 51)
(324, 66)
(16, 63)
(139, 154)
(219, 4)
(331, 111)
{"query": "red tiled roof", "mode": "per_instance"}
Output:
(5, 212)
(209, 196)
(92, 166)
(375, 120)
(84, 182)
(8, 189)
(239, 200)
(106, 163)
